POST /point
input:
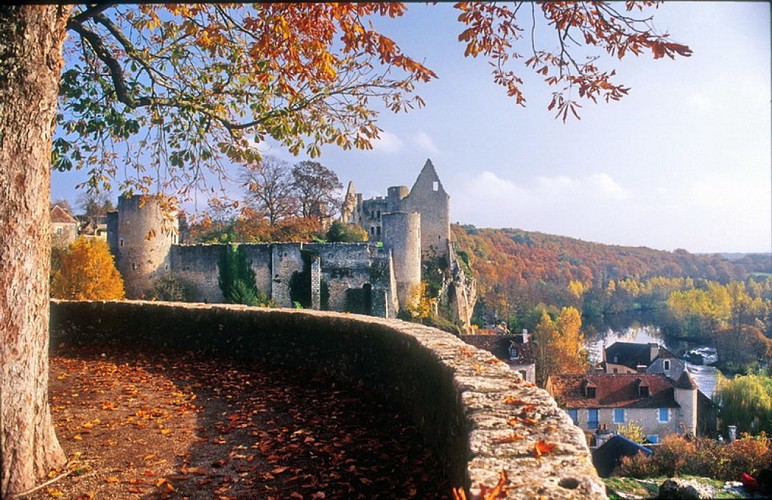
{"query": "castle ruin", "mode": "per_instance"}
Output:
(406, 229)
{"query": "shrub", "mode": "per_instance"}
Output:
(340, 232)
(701, 457)
(638, 466)
(748, 454)
(169, 287)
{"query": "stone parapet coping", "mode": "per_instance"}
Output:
(478, 415)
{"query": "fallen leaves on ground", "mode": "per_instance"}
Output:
(173, 426)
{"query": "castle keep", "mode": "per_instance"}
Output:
(377, 277)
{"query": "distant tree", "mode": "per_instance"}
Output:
(746, 401)
(341, 232)
(317, 189)
(568, 347)
(270, 189)
(95, 203)
(543, 337)
(87, 272)
(560, 345)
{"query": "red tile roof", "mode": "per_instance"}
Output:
(612, 390)
(60, 215)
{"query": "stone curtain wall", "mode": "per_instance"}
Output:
(464, 400)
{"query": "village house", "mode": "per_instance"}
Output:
(600, 402)
(64, 227)
(629, 357)
(651, 358)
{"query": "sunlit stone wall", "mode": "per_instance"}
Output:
(477, 414)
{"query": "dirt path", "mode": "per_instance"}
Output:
(155, 426)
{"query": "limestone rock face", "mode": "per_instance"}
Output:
(682, 489)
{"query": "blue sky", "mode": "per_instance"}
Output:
(684, 161)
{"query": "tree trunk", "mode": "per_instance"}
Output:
(31, 39)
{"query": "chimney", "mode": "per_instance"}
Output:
(653, 351)
(525, 335)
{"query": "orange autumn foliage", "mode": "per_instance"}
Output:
(87, 272)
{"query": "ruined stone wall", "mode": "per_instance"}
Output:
(430, 199)
(344, 271)
(197, 266)
(480, 417)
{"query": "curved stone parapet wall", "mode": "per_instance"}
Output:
(478, 415)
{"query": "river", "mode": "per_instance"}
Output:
(705, 375)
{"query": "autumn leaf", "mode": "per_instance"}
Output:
(542, 448)
(512, 400)
(509, 439)
(498, 491)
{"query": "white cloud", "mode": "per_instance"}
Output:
(596, 187)
(387, 143)
(425, 142)
(490, 200)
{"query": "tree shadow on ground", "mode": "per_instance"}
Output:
(191, 426)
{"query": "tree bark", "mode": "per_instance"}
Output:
(31, 39)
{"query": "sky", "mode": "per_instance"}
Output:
(684, 161)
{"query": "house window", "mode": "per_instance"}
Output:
(378, 230)
(643, 391)
(663, 414)
(524, 374)
(652, 438)
(435, 186)
(592, 418)
(513, 353)
(121, 243)
(59, 230)
(574, 414)
(590, 391)
(616, 370)
(666, 364)
(619, 415)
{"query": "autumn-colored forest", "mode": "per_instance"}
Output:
(517, 269)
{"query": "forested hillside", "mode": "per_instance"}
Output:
(516, 270)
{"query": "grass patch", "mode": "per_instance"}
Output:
(619, 488)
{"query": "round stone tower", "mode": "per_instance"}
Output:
(143, 241)
(402, 235)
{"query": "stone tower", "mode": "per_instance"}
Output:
(402, 235)
(140, 237)
(428, 198)
(685, 394)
